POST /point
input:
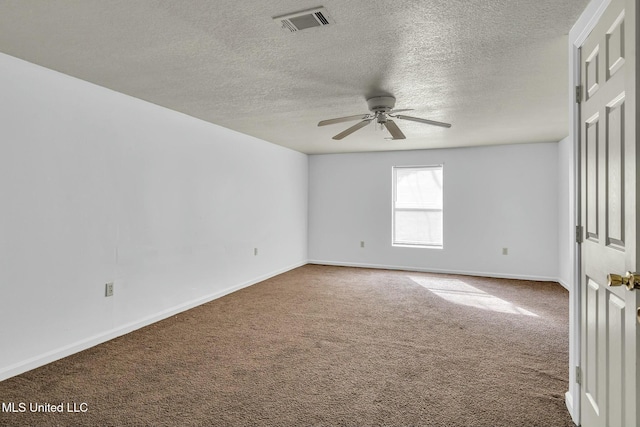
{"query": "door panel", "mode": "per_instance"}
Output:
(615, 46)
(591, 160)
(591, 79)
(615, 360)
(615, 173)
(591, 356)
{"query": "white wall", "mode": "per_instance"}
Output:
(97, 187)
(494, 197)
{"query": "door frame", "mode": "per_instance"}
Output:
(577, 36)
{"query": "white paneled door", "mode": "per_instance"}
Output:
(609, 189)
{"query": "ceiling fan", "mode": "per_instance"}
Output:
(382, 111)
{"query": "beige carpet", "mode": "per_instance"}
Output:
(327, 346)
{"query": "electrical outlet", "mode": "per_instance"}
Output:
(255, 251)
(362, 243)
(505, 251)
(108, 289)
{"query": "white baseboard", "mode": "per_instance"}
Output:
(59, 353)
(435, 270)
(564, 284)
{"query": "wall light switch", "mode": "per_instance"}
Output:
(362, 243)
(255, 251)
(108, 289)
(505, 251)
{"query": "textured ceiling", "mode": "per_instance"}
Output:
(496, 70)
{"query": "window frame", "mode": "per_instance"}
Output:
(394, 209)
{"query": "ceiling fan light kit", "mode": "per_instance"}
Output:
(382, 111)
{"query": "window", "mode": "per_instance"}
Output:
(417, 206)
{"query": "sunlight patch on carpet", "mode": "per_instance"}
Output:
(458, 292)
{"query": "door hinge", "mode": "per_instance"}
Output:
(579, 94)
(578, 234)
(578, 375)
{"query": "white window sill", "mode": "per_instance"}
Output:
(401, 245)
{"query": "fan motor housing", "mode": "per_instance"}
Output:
(381, 103)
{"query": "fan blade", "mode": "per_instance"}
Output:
(352, 129)
(394, 130)
(343, 119)
(429, 122)
(402, 109)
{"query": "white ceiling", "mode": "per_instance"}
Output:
(495, 69)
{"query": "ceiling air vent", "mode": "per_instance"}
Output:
(310, 18)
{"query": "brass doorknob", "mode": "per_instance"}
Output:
(632, 280)
(616, 280)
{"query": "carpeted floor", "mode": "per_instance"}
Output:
(326, 346)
